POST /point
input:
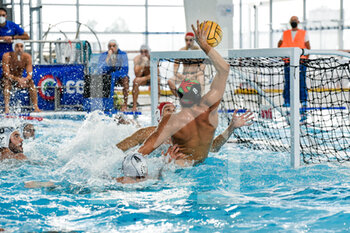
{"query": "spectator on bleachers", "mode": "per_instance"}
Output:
(193, 71)
(113, 65)
(142, 73)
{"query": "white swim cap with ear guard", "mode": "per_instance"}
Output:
(135, 165)
(18, 41)
(5, 134)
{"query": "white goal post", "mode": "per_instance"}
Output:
(292, 53)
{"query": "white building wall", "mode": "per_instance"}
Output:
(220, 11)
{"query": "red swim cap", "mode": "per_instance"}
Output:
(189, 34)
(160, 108)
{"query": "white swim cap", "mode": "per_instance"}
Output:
(135, 165)
(18, 41)
(145, 47)
(5, 133)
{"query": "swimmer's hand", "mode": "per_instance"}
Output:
(110, 52)
(22, 82)
(242, 120)
(7, 39)
(175, 154)
(38, 184)
(201, 36)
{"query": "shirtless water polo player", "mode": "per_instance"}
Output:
(193, 128)
(13, 65)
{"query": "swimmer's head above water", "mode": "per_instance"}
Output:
(27, 130)
(164, 108)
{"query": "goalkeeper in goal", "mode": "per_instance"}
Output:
(193, 128)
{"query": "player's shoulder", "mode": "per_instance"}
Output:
(184, 114)
(120, 52)
(11, 24)
(183, 48)
(27, 55)
(137, 57)
(6, 55)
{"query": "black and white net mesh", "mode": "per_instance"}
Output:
(257, 83)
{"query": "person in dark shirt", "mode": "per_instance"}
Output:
(9, 31)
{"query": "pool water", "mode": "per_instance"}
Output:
(235, 190)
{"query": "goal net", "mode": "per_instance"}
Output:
(313, 129)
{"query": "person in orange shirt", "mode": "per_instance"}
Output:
(295, 37)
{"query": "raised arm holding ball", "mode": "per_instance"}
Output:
(193, 128)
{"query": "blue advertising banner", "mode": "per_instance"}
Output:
(46, 77)
(69, 77)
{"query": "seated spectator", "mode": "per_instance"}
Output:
(9, 31)
(142, 73)
(191, 69)
(113, 65)
(13, 65)
(11, 144)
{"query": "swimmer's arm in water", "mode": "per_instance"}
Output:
(217, 87)
(136, 138)
(39, 184)
(7, 154)
(236, 122)
(129, 180)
